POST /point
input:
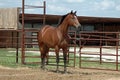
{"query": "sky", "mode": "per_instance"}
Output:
(92, 8)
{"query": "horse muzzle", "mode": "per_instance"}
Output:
(77, 25)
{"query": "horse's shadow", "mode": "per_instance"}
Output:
(60, 72)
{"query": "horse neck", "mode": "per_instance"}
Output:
(63, 27)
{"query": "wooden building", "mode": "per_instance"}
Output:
(10, 24)
(88, 23)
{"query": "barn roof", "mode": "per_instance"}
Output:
(53, 19)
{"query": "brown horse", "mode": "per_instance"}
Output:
(56, 37)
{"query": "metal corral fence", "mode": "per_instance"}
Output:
(99, 50)
(10, 42)
(96, 50)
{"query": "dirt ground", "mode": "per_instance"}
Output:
(72, 74)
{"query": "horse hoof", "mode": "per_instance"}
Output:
(43, 68)
(65, 72)
(57, 71)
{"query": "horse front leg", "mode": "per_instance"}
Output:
(65, 59)
(57, 58)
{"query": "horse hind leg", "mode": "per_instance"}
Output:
(57, 60)
(47, 51)
(44, 52)
(42, 60)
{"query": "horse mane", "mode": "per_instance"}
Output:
(62, 19)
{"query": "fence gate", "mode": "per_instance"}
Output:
(29, 43)
(99, 50)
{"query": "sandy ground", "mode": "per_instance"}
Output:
(72, 74)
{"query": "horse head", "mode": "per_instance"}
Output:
(72, 19)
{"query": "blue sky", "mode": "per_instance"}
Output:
(95, 8)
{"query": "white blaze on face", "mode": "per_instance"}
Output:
(77, 24)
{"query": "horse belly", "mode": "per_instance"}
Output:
(64, 44)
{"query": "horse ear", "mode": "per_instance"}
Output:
(75, 12)
(71, 12)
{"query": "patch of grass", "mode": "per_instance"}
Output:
(99, 66)
(9, 59)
